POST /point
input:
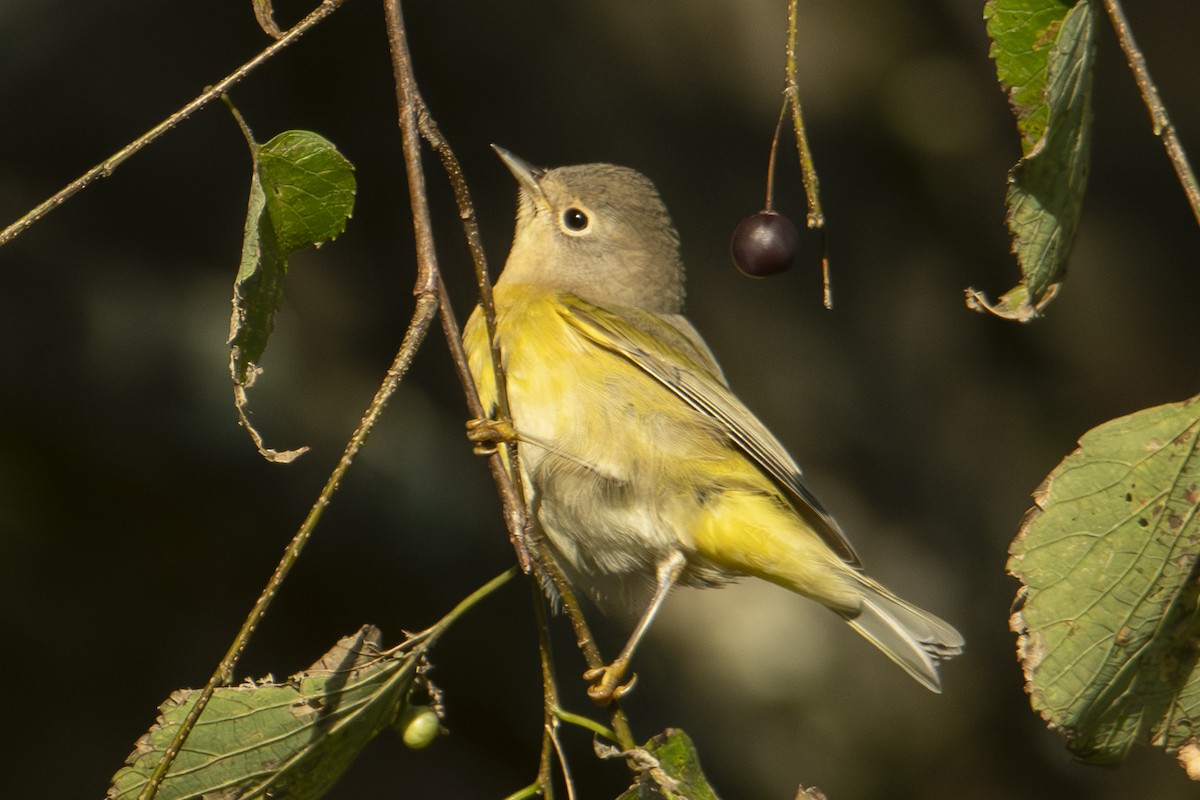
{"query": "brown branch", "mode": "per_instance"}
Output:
(512, 499)
(512, 493)
(419, 326)
(548, 567)
(466, 211)
(550, 704)
(530, 551)
(1163, 127)
(815, 218)
(106, 167)
(402, 75)
(414, 113)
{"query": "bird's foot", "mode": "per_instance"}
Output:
(486, 434)
(606, 682)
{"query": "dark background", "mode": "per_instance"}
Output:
(137, 524)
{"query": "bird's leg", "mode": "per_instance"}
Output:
(485, 434)
(605, 680)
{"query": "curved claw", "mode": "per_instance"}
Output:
(605, 680)
(606, 686)
(486, 434)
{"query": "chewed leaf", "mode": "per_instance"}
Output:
(301, 194)
(668, 768)
(1013, 304)
(1044, 52)
(280, 740)
(1108, 615)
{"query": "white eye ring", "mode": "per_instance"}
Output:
(575, 221)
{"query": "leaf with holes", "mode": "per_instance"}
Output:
(668, 769)
(1108, 615)
(280, 740)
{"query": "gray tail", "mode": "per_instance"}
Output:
(915, 639)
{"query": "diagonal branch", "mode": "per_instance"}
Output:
(1163, 127)
(415, 119)
(108, 165)
(422, 318)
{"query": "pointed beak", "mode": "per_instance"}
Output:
(528, 176)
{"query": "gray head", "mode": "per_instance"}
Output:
(598, 231)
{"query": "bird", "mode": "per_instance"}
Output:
(641, 468)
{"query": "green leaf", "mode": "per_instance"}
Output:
(280, 740)
(1044, 52)
(669, 768)
(301, 194)
(309, 187)
(1022, 34)
(1109, 613)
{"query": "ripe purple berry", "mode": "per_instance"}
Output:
(764, 244)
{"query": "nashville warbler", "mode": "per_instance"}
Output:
(641, 467)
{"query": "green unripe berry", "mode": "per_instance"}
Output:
(419, 726)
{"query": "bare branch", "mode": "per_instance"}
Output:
(816, 216)
(414, 120)
(106, 167)
(413, 112)
(417, 329)
(550, 703)
(1163, 127)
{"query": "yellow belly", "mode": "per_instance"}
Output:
(620, 472)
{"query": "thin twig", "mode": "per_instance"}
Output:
(433, 633)
(1163, 127)
(587, 723)
(241, 123)
(532, 790)
(544, 566)
(402, 76)
(106, 167)
(562, 759)
(769, 205)
(426, 308)
(414, 112)
(808, 172)
(547, 566)
(816, 217)
(512, 493)
(545, 776)
(466, 212)
(512, 499)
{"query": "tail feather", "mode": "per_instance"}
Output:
(915, 639)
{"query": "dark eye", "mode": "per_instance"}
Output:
(574, 219)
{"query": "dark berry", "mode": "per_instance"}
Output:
(764, 244)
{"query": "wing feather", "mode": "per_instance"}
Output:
(655, 343)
